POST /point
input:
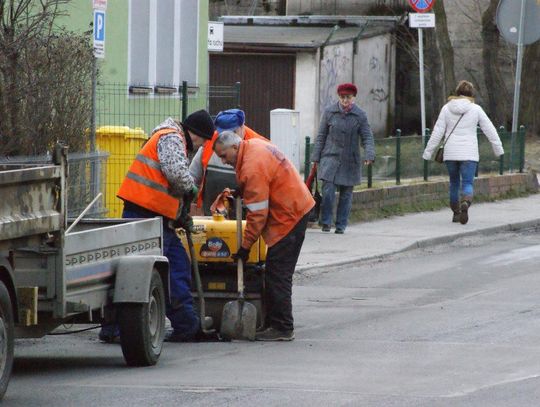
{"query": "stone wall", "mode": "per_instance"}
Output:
(433, 194)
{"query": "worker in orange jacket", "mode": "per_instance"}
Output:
(207, 170)
(278, 205)
(158, 183)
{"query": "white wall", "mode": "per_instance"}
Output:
(336, 67)
(305, 96)
(374, 66)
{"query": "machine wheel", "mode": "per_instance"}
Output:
(142, 326)
(6, 339)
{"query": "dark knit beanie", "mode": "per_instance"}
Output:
(200, 123)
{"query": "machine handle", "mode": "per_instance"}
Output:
(240, 263)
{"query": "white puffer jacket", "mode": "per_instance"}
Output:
(463, 142)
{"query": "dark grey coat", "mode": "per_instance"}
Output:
(337, 148)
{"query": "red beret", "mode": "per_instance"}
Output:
(347, 88)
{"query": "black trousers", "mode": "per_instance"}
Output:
(281, 261)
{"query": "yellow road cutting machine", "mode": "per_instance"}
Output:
(214, 240)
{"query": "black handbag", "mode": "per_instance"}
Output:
(316, 210)
(439, 156)
(317, 197)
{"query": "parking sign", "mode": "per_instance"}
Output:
(99, 33)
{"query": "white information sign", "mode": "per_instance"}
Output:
(421, 20)
(215, 36)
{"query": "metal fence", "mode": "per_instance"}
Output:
(401, 157)
(86, 178)
(146, 106)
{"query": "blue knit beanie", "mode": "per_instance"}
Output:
(229, 120)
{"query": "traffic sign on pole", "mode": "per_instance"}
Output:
(421, 6)
(99, 33)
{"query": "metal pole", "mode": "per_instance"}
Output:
(517, 85)
(237, 94)
(94, 109)
(426, 162)
(502, 136)
(184, 100)
(307, 158)
(398, 157)
(370, 175)
(422, 88)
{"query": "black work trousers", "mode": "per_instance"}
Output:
(280, 264)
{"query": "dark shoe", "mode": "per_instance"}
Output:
(272, 334)
(109, 334)
(177, 336)
(464, 215)
(339, 231)
(325, 228)
(457, 212)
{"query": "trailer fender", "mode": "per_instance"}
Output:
(133, 274)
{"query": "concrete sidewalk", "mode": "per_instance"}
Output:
(363, 241)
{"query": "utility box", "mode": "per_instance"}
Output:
(285, 133)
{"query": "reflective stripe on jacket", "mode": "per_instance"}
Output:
(273, 191)
(145, 184)
(208, 150)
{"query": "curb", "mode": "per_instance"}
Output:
(420, 244)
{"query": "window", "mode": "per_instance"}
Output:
(163, 42)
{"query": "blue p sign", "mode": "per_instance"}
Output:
(99, 25)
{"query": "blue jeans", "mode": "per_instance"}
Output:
(461, 175)
(344, 204)
(180, 310)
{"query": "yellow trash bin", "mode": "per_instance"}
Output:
(123, 144)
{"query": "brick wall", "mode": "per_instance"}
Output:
(435, 193)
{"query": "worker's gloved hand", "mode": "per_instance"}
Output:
(241, 254)
(190, 196)
(235, 193)
(185, 222)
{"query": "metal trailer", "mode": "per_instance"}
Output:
(90, 271)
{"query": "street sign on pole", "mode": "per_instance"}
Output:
(99, 33)
(519, 24)
(421, 20)
(421, 6)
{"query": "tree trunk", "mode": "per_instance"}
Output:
(530, 92)
(440, 57)
(496, 91)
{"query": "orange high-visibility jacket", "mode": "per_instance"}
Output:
(145, 185)
(274, 194)
(208, 150)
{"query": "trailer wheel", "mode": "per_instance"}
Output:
(6, 339)
(142, 326)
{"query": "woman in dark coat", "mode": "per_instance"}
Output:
(344, 126)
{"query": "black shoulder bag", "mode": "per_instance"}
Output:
(439, 157)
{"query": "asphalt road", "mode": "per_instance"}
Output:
(453, 325)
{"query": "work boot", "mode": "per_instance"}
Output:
(272, 334)
(109, 333)
(326, 228)
(464, 215)
(457, 211)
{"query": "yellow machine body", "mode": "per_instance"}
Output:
(215, 241)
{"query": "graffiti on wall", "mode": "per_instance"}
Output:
(336, 68)
(377, 94)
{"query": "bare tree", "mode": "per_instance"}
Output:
(530, 91)
(497, 93)
(440, 57)
(44, 78)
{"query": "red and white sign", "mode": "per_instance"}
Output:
(422, 6)
(99, 4)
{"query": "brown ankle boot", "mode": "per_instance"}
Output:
(465, 204)
(457, 211)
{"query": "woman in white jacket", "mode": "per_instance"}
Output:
(461, 150)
